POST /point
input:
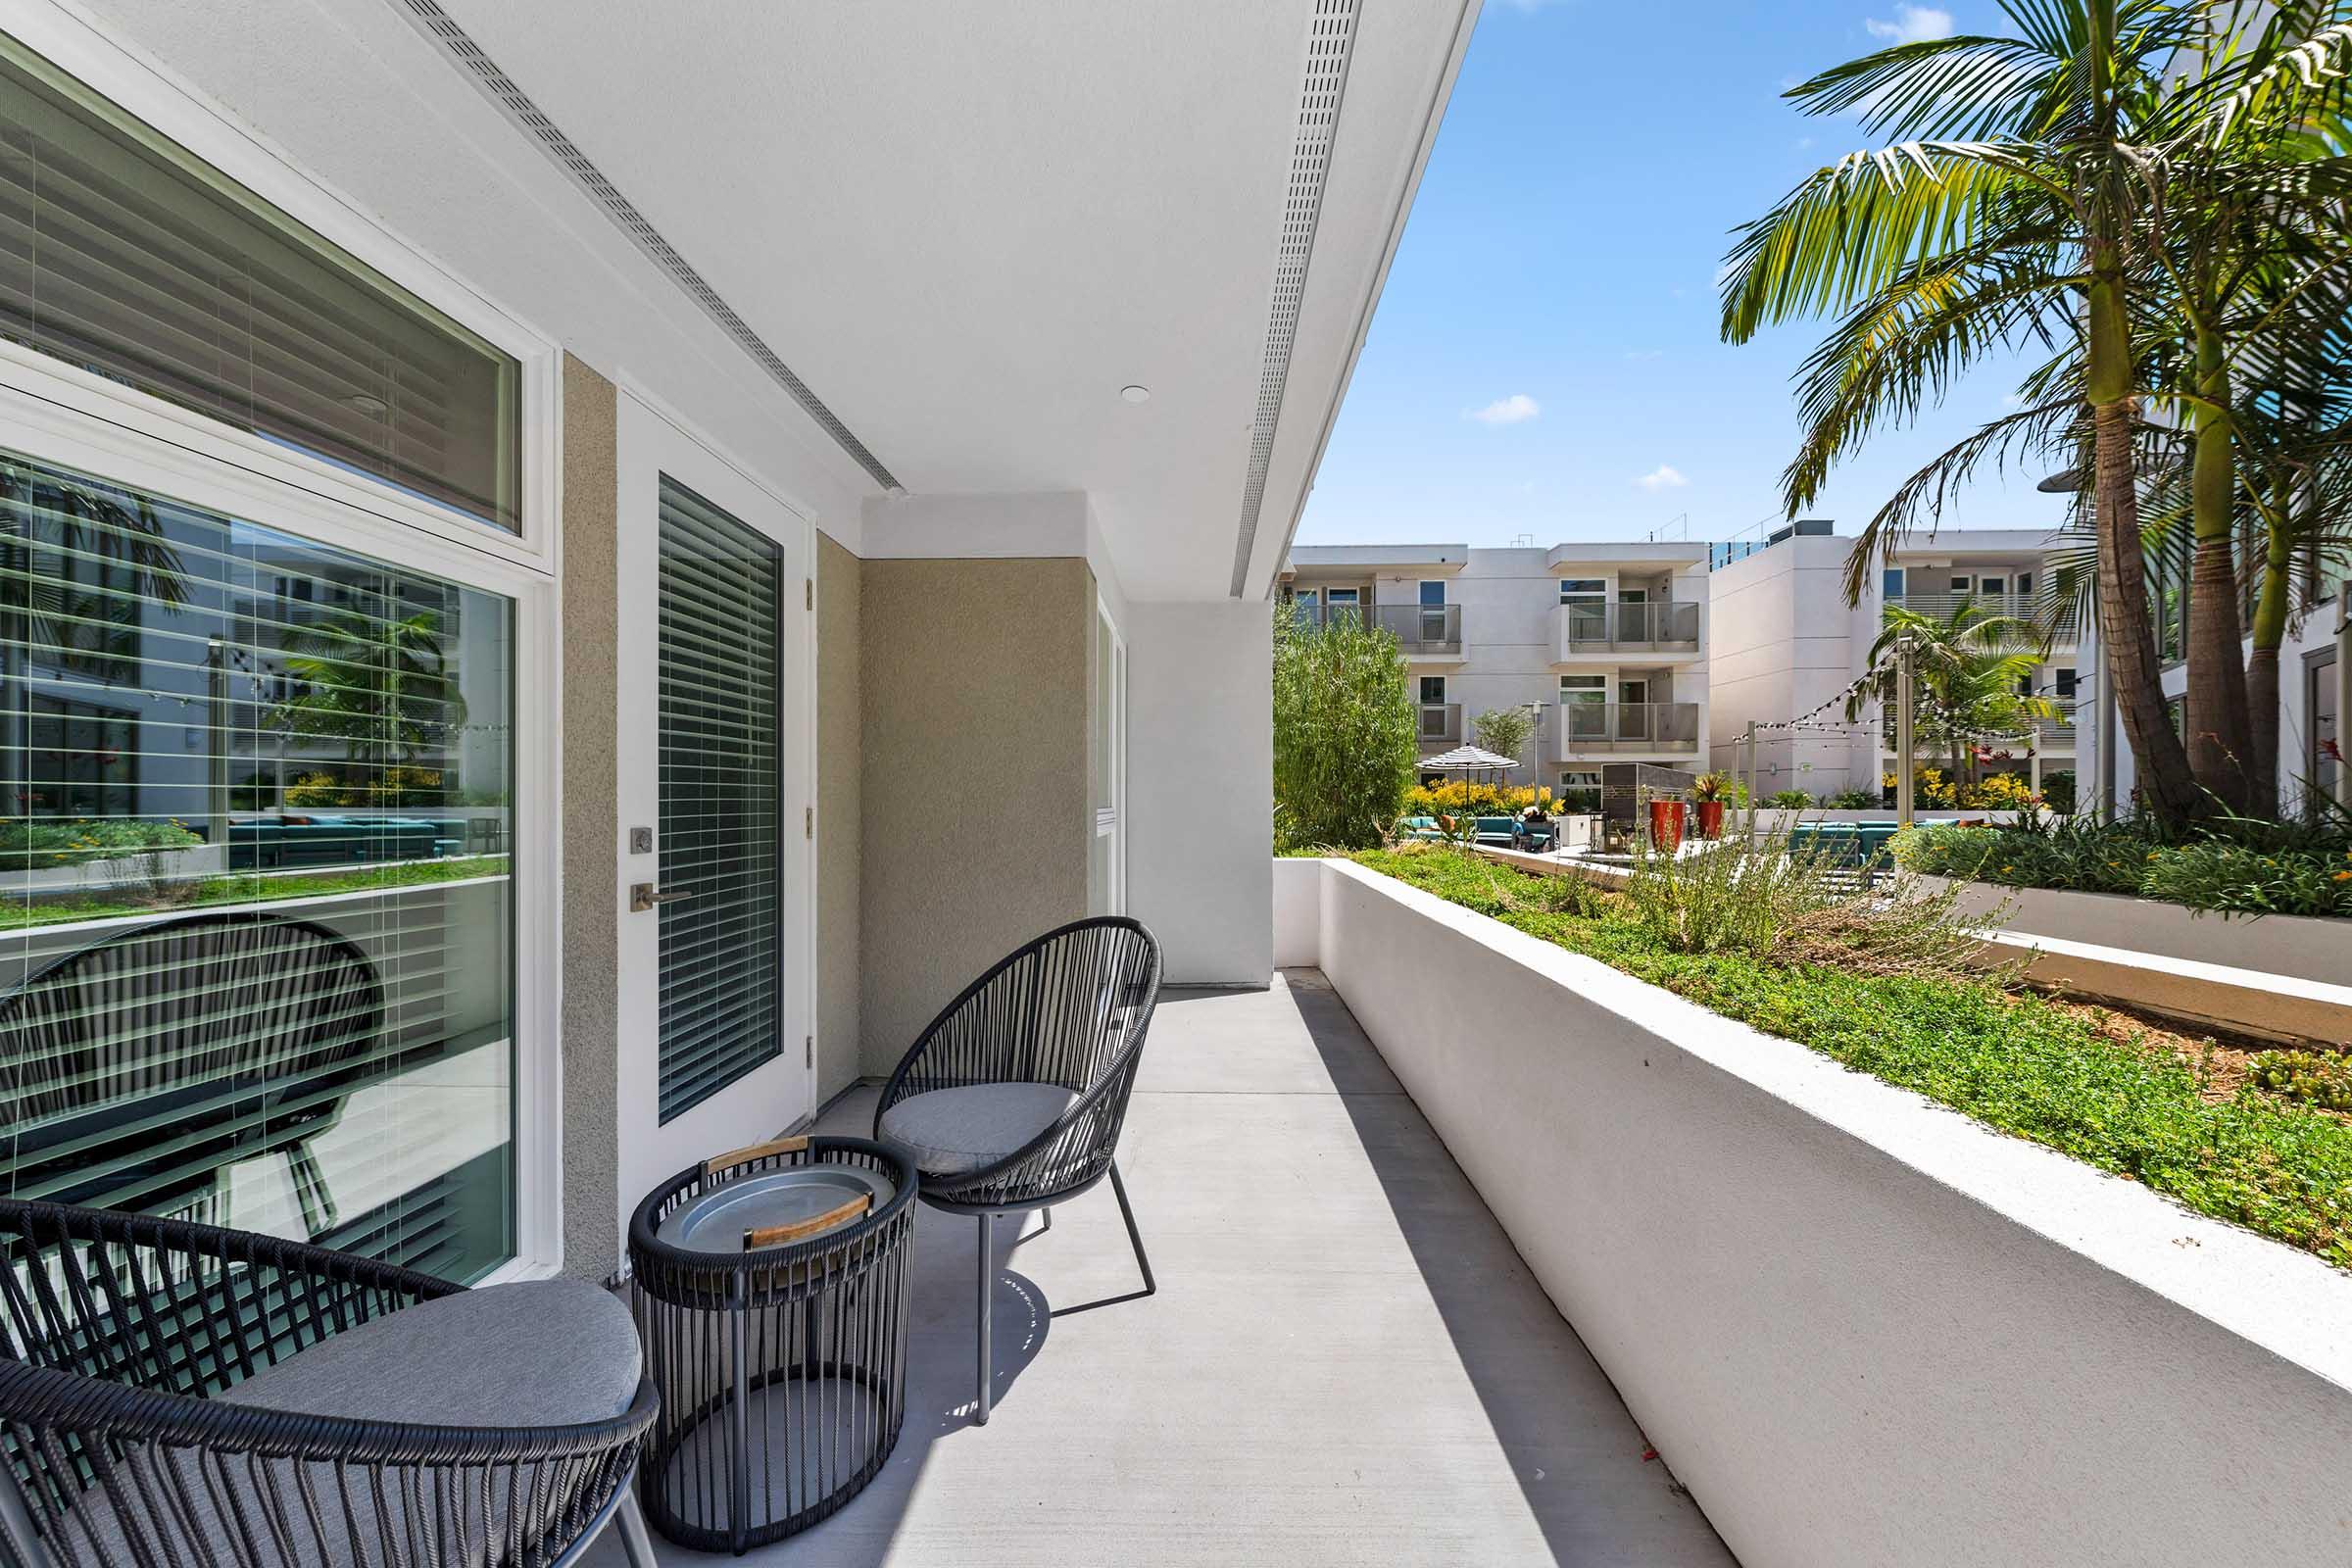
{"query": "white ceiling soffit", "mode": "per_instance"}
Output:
(1330, 40)
(502, 90)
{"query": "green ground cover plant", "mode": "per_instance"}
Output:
(1889, 1000)
(211, 892)
(2242, 866)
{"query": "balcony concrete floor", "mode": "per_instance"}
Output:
(1347, 1362)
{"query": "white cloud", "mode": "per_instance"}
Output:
(1505, 411)
(1911, 24)
(1803, 142)
(1664, 476)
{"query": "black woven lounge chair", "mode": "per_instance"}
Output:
(142, 1067)
(176, 1394)
(1013, 1100)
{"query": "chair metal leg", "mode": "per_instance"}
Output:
(987, 1290)
(1135, 1237)
(635, 1543)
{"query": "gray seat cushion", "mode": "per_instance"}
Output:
(544, 1353)
(950, 1131)
(552, 1352)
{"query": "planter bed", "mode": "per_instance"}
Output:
(1861, 1329)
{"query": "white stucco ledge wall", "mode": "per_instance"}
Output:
(2306, 947)
(1863, 1329)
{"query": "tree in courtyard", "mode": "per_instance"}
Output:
(1504, 730)
(382, 687)
(1972, 676)
(2025, 202)
(1344, 733)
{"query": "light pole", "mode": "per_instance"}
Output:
(1902, 731)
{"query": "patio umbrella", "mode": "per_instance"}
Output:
(1467, 760)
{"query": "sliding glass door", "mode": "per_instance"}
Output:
(258, 938)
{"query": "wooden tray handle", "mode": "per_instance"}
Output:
(778, 1235)
(744, 1156)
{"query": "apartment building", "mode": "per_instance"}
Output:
(1667, 651)
(1606, 646)
(1788, 647)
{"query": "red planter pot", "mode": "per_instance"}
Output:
(1665, 826)
(1710, 819)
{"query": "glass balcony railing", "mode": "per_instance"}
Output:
(1420, 630)
(1589, 727)
(1602, 623)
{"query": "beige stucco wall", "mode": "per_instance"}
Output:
(839, 827)
(590, 823)
(974, 774)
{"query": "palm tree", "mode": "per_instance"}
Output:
(2016, 208)
(1972, 678)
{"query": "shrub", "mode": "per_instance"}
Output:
(2058, 791)
(1462, 798)
(28, 842)
(1997, 792)
(2316, 1077)
(1856, 800)
(1793, 799)
(1344, 733)
(1928, 787)
(1778, 904)
(2285, 871)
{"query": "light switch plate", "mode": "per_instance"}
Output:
(641, 841)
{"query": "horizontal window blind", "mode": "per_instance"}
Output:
(722, 799)
(256, 911)
(122, 254)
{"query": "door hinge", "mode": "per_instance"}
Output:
(808, 1050)
(809, 592)
(808, 822)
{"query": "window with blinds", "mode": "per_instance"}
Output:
(721, 795)
(124, 255)
(257, 931)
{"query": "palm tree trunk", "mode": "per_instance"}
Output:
(2160, 760)
(2126, 635)
(2222, 752)
(2269, 628)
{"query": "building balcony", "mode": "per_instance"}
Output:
(1440, 723)
(1426, 634)
(1601, 629)
(1942, 605)
(1235, 1406)
(1606, 729)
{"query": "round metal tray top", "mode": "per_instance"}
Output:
(716, 1221)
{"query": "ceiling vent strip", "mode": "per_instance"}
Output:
(502, 90)
(1330, 43)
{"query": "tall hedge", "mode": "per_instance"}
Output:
(1344, 735)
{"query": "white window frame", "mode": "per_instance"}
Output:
(1422, 688)
(61, 414)
(130, 448)
(143, 89)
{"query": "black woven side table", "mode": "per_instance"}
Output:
(772, 1294)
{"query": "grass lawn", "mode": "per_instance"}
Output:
(249, 887)
(2037, 1068)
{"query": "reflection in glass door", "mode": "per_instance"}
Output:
(259, 968)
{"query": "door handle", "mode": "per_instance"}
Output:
(642, 897)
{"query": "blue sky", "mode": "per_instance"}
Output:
(1546, 359)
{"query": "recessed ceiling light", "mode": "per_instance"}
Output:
(361, 402)
(1135, 394)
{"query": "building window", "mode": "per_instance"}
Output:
(1890, 582)
(1582, 588)
(129, 258)
(1433, 595)
(258, 952)
(1433, 688)
(2063, 681)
